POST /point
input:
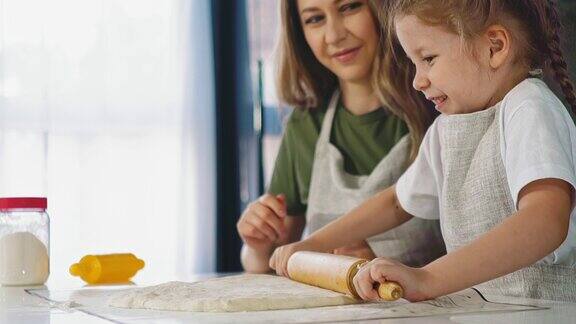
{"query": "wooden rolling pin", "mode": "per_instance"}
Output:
(334, 272)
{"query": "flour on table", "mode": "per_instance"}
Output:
(23, 260)
(247, 292)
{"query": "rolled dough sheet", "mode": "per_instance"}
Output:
(246, 292)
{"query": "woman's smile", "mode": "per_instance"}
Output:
(347, 55)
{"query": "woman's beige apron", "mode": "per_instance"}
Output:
(476, 197)
(333, 193)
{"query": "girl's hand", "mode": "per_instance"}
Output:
(359, 250)
(261, 226)
(279, 259)
(416, 282)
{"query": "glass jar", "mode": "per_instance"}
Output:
(24, 241)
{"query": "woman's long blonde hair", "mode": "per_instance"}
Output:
(302, 81)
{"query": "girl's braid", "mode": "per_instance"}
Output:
(557, 60)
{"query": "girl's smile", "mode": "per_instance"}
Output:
(458, 79)
(438, 101)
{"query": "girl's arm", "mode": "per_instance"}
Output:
(538, 228)
(376, 215)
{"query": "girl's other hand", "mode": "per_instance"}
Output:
(416, 282)
(280, 257)
(261, 226)
(359, 250)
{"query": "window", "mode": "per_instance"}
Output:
(263, 17)
(101, 105)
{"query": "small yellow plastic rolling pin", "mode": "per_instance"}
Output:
(107, 268)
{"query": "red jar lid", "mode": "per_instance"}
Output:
(23, 202)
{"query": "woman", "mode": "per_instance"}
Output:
(353, 133)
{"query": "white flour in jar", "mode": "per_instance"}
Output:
(23, 260)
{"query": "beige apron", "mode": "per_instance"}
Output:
(333, 192)
(476, 197)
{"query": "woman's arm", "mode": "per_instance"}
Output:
(256, 260)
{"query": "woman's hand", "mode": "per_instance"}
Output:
(359, 250)
(261, 226)
(416, 282)
(280, 257)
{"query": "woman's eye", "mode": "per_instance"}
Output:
(351, 6)
(429, 59)
(313, 19)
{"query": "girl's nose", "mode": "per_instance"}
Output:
(420, 81)
(335, 30)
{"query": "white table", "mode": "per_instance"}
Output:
(17, 306)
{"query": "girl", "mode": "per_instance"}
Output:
(497, 166)
(340, 146)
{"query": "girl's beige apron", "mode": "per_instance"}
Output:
(476, 198)
(333, 192)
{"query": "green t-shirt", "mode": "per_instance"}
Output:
(363, 141)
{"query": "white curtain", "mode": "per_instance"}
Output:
(106, 108)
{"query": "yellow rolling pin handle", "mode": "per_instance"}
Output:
(334, 272)
(390, 291)
(107, 268)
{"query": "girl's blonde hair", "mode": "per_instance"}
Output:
(534, 25)
(302, 81)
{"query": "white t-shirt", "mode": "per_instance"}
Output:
(537, 141)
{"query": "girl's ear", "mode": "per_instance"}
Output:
(499, 44)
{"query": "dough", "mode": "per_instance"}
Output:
(247, 292)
